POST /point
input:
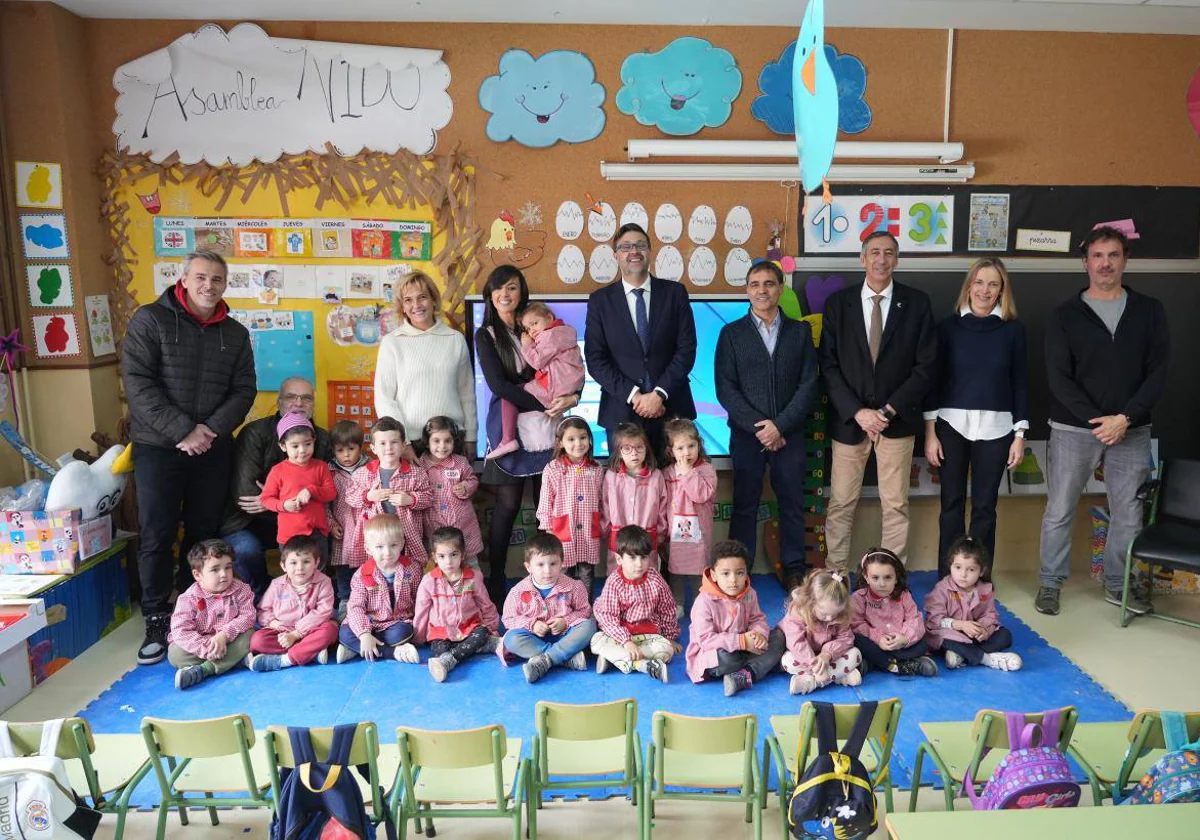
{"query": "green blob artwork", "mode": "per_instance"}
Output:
(50, 284)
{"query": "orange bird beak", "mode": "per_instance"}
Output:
(808, 73)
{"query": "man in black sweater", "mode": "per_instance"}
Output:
(878, 356)
(766, 376)
(1106, 359)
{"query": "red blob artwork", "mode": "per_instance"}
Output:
(57, 336)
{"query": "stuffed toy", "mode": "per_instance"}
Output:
(93, 488)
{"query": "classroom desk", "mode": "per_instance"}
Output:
(1152, 822)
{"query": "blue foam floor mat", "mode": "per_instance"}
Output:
(482, 691)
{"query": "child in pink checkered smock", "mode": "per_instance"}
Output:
(691, 488)
(453, 483)
(569, 508)
(345, 520)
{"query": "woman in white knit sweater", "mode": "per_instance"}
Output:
(424, 369)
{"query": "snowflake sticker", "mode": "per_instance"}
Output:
(530, 214)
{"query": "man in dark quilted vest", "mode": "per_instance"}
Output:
(188, 371)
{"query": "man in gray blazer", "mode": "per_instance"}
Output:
(766, 376)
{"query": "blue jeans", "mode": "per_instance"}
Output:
(973, 651)
(526, 644)
(394, 636)
(250, 559)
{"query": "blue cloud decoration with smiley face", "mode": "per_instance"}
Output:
(687, 86)
(539, 101)
(774, 105)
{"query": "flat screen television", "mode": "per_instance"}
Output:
(711, 312)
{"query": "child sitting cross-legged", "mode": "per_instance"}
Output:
(888, 628)
(730, 638)
(635, 611)
(210, 628)
(379, 613)
(820, 644)
(547, 614)
(296, 613)
(454, 613)
(961, 616)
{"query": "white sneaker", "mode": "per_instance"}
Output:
(440, 667)
(851, 679)
(802, 684)
(953, 660)
(248, 662)
(1003, 661)
(578, 662)
(344, 654)
(658, 669)
(323, 657)
(601, 664)
(407, 653)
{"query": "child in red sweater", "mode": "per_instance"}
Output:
(299, 488)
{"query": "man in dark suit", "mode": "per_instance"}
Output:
(878, 355)
(640, 344)
(766, 375)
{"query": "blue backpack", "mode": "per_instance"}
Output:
(1176, 776)
(321, 800)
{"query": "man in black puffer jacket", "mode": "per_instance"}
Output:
(188, 371)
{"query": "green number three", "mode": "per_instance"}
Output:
(921, 229)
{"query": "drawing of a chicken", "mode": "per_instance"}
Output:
(504, 248)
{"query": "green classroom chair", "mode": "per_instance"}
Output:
(458, 767)
(795, 736)
(87, 764)
(1115, 754)
(585, 746)
(1171, 538)
(363, 751)
(956, 747)
(696, 758)
(205, 757)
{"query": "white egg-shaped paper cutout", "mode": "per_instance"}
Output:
(702, 266)
(568, 221)
(603, 264)
(634, 213)
(669, 263)
(668, 224)
(702, 226)
(601, 226)
(571, 264)
(739, 224)
(737, 266)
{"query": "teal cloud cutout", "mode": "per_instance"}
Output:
(687, 86)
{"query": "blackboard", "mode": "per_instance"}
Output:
(1176, 418)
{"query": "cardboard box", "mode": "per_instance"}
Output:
(16, 680)
(48, 542)
(20, 618)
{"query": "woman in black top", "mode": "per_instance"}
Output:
(978, 410)
(498, 348)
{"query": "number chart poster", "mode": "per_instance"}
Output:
(922, 224)
(330, 361)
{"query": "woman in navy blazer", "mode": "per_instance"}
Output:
(629, 364)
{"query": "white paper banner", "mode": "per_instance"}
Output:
(244, 95)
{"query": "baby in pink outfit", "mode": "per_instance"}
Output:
(551, 348)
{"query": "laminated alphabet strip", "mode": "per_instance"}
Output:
(369, 239)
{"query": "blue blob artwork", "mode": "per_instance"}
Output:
(44, 236)
(687, 86)
(539, 102)
(774, 105)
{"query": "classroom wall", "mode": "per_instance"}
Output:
(1031, 108)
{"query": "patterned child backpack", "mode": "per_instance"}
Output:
(1034, 774)
(1176, 776)
(835, 799)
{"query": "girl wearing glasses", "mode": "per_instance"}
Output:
(635, 492)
